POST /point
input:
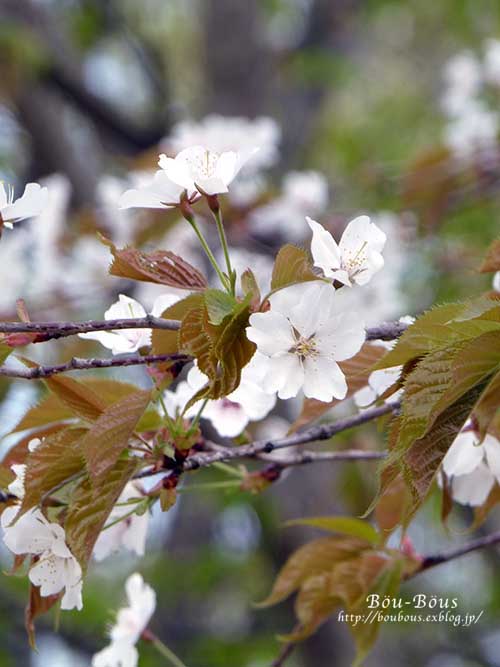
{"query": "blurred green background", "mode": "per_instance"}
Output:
(89, 89)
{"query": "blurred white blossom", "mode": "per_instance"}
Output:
(30, 204)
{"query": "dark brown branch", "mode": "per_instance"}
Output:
(469, 547)
(314, 434)
(76, 364)
(52, 330)
(284, 654)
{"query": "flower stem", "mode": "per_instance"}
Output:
(208, 252)
(167, 653)
(223, 240)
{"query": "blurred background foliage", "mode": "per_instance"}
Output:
(88, 90)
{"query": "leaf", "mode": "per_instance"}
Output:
(37, 606)
(109, 435)
(313, 558)
(221, 351)
(5, 351)
(492, 260)
(168, 499)
(51, 409)
(292, 265)
(161, 266)
(249, 285)
(357, 371)
(219, 305)
(75, 395)
(341, 524)
(167, 342)
(425, 455)
(58, 458)
(488, 406)
(439, 328)
(91, 504)
(19, 452)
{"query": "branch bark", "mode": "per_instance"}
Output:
(76, 364)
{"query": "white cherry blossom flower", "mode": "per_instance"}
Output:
(356, 258)
(463, 80)
(491, 66)
(130, 533)
(472, 468)
(19, 469)
(229, 133)
(232, 414)
(304, 192)
(56, 568)
(124, 341)
(30, 204)
(496, 281)
(130, 623)
(303, 336)
(198, 168)
(161, 192)
(472, 131)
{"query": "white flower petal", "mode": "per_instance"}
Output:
(492, 450)
(117, 654)
(464, 455)
(31, 204)
(285, 375)
(323, 379)
(271, 332)
(473, 488)
(324, 249)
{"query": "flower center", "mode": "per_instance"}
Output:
(304, 347)
(205, 165)
(354, 263)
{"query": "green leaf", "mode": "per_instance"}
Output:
(341, 524)
(440, 327)
(58, 458)
(75, 395)
(110, 434)
(91, 505)
(161, 266)
(249, 285)
(292, 265)
(5, 351)
(219, 305)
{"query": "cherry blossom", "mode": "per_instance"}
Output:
(161, 192)
(129, 533)
(472, 467)
(198, 168)
(122, 341)
(463, 81)
(29, 205)
(229, 133)
(303, 336)
(230, 415)
(130, 623)
(472, 131)
(491, 66)
(56, 568)
(358, 255)
(19, 469)
(303, 193)
(496, 281)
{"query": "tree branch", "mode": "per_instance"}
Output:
(51, 330)
(469, 547)
(76, 364)
(316, 433)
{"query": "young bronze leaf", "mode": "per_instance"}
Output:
(492, 260)
(167, 342)
(487, 408)
(37, 606)
(91, 505)
(110, 434)
(51, 409)
(161, 266)
(292, 265)
(57, 459)
(439, 328)
(75, 395)
(249, 285)
(341, 524)
(311, 560)
(357, 371)
(19, 452)
(425, 455)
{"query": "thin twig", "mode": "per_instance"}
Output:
(284, 654)
(76, 364)
(316, 433)
(52, 330)
(446, 556)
